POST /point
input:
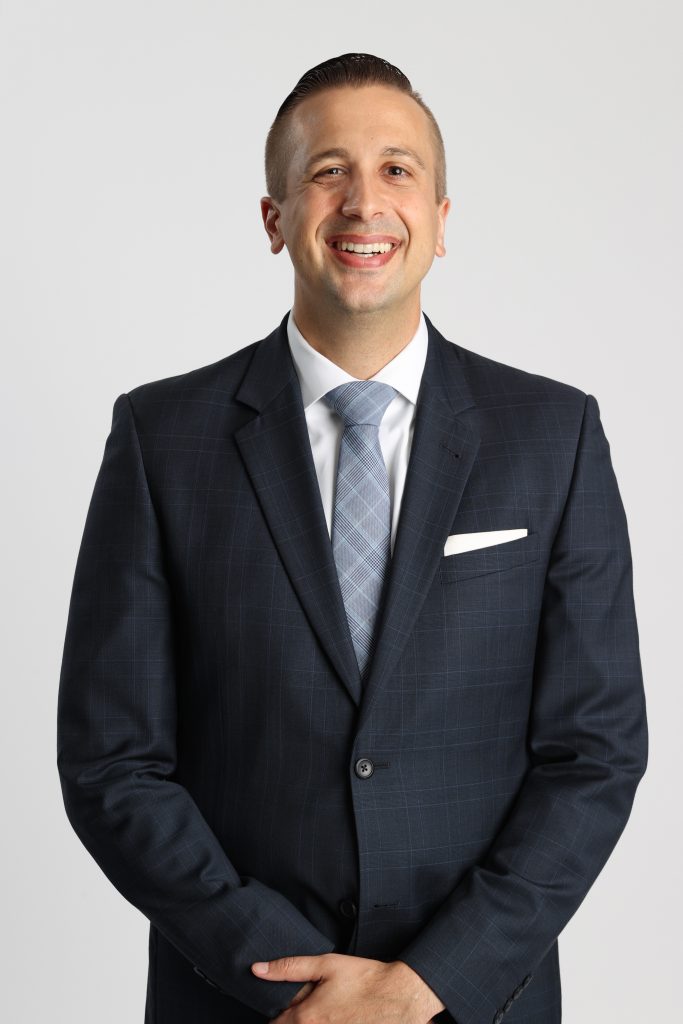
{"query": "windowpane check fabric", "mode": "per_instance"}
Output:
(361, 519)
(214, 734)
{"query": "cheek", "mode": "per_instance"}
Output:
(422, 246)
(302, 243)
(421, 224)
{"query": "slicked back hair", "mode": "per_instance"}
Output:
(350, 69)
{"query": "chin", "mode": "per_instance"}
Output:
(365, 300)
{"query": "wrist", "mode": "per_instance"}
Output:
(429, 998)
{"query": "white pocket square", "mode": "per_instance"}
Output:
(458, 542)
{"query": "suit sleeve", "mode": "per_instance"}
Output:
(588, 746)
(116, 752)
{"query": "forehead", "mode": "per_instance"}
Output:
(373, 116)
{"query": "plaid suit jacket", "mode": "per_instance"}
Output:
(218, 757)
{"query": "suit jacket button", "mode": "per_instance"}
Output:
(364, 768)
(347, 908)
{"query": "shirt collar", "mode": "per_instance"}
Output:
(317, 374)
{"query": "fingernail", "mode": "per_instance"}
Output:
(260, 968)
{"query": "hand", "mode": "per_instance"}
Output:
(308, 986)
(353, 990)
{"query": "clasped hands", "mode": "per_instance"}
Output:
(345, 989)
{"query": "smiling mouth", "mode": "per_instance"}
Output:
(372, 249)
(368, 255)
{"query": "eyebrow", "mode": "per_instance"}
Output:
(344, 154)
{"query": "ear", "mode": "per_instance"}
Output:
(270, 212)
(442, 213)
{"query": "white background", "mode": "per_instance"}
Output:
(132, 248)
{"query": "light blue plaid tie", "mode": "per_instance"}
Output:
(361, 521)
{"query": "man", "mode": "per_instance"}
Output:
(351, 681)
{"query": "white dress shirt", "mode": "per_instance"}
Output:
(318, 375)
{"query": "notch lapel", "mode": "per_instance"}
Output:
(444, 446)
(277, 454)
(276, 450)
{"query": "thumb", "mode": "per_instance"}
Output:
(289, 968)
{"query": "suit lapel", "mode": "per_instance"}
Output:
(277, 454)
(445, 443)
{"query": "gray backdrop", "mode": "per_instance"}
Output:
(132, 248)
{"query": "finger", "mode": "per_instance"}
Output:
(290, 968)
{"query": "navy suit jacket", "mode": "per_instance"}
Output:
(218, 756)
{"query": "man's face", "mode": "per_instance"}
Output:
(362, 194)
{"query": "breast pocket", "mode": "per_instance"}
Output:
(494, 558)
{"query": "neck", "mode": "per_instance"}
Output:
(359, 342)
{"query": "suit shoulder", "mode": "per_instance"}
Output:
(213, 382)
(491, 380)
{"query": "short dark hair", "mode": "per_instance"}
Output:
(354, 69)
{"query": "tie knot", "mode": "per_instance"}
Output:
(360, 401)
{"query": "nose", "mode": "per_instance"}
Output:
(362, 198)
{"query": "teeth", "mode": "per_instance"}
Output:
(374, 247)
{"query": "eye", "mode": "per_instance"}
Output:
(397, 167)
(326, 171)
